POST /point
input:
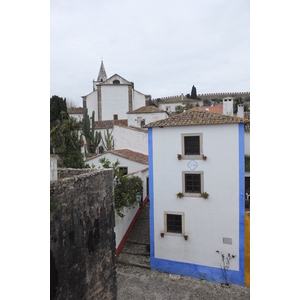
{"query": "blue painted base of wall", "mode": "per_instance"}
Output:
(197, 271)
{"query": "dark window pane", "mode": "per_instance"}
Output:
(192, 183)
(192, 145)
(174, 223)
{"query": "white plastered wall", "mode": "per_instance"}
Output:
(114, 101)
(92, 104)
(138, 100)
(148, 117)
(131, 165)
(206, 221)
(135, 140)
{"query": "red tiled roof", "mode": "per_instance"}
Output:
(110, 124)
(131, 155)
(146, 109)
(218, 109)
(197, 117)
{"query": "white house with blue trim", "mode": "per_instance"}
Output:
(186, 232)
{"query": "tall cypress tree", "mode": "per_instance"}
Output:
(57, 106)
(194, 93)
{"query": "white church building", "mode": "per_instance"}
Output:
(112, 97)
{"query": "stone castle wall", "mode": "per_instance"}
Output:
(82, 238)
(209, 96)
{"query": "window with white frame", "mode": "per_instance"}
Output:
(192, 145)
(174, 223)
(192, 183)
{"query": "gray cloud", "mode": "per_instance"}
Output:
(164, 47)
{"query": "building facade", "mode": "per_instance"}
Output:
(112, 97)
(186, 232)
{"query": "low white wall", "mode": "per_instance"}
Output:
(122, 224)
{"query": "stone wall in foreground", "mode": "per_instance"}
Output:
(82, 238)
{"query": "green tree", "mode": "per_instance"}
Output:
(188, 106)
(179, 109)
(236, 102)
(193, 92)
(206, 102)
(126, 187)
(65, 139)
(57, 105)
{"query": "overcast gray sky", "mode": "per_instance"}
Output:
(164, 46)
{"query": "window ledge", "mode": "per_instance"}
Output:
(174, 234)
(192, 157)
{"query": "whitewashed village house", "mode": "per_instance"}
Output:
(170, 103)
(120, 110)
(132, 163)
(185, 233)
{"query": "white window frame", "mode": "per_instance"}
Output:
(182, 223)
(195, 157)
(201, 183)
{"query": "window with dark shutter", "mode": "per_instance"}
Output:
(192, 145)
(192, 183)
(174, 223)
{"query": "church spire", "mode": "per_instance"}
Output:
(102, 73)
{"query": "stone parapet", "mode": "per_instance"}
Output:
(82, 237)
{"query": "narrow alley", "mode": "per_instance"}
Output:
(135, 279)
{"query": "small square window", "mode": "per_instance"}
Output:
(192, 145)
(174, 223)
(192, 183)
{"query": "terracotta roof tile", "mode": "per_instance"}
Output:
(131, 155)
(110, 123)
(197, 117)
(218, 109)
(146, 109)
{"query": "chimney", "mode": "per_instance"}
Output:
(228, 106)
(240, 111)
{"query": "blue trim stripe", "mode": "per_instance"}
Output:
(242, 201)
(151, 194)
(202, 272)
